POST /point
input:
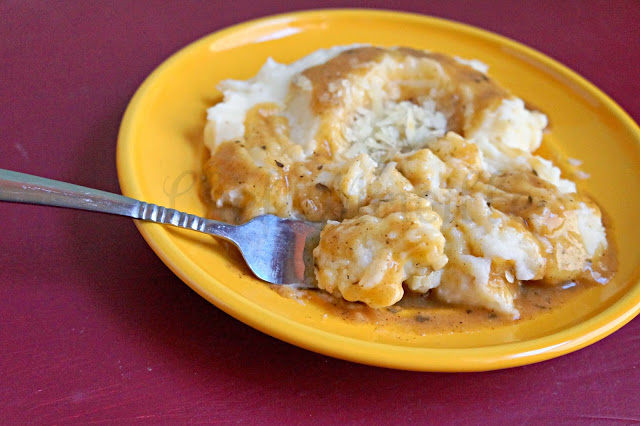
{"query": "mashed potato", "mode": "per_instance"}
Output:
(422, 167)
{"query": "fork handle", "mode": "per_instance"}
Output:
(29, 189)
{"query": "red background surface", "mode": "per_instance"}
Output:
(94, 328)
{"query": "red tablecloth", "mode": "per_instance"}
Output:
(94, 328)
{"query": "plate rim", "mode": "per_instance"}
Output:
(504, 355)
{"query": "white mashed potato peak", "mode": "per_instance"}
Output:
(270, 85)
(422, 166)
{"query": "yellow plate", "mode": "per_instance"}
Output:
(159, 158)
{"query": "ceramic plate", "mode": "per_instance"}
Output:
(160, 153)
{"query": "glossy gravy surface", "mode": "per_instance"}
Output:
(281, 175)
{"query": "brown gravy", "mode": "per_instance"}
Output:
(420, 314)
(470, 85)
(417, 313)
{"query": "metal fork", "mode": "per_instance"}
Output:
(277, 250)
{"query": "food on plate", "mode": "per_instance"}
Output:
(423, 168)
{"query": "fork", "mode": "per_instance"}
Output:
(277, 250)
